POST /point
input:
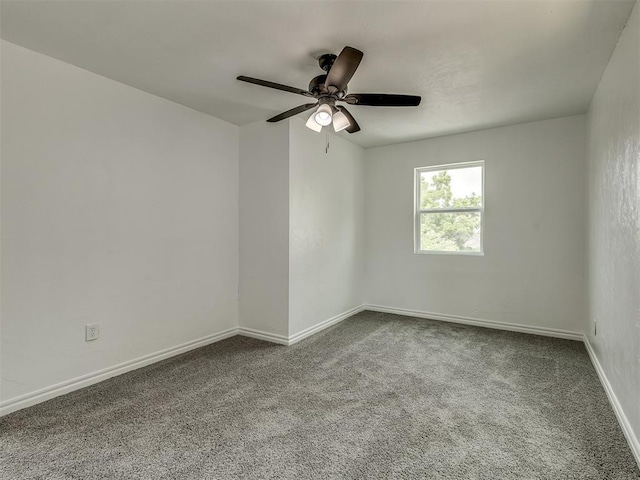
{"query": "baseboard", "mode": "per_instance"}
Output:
(307, 332)
(77, 383)
(266, 336)
(629, 434)
(512, 327)
(62, 388)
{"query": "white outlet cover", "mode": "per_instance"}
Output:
(91, 332)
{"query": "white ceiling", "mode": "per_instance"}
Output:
(476, 64)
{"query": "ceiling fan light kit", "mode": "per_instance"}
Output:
(323, 115)
(331, 88)
(312, 124)
(340, 121)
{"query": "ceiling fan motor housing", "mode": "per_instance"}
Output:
(326, 61)
(317, 87)
(328, 99)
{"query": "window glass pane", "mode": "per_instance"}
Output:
(453, 188)
(450, 232)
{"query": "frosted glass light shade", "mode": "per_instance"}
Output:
(311, 123)
(340, 121)
(323, 115)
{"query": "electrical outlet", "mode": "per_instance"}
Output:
(91, 332)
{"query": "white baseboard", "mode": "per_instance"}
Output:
(266, 336)
(512, 327)
(296, 337)
(629, 434)
(53, 391)
(77, 383)
(61, 388)
(307, 332)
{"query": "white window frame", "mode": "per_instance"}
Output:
(418, 211)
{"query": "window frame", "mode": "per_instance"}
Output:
(419, 211)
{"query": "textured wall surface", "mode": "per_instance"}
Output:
(264, 227)
(614, 221)
(118, 208)
(326, 228)
(532, 272)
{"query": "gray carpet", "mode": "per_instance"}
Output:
(377, 396)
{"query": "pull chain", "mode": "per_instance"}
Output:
(326, 148)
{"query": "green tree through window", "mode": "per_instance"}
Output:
(448, 230)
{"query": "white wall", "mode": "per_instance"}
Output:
(326, 220)
(118, 208)
(264, 227)
(301, 228)
(533, 270)
(614, 222)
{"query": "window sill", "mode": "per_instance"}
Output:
(435, 252)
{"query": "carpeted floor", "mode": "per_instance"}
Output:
(377, 396)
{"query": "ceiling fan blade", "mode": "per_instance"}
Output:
(382, 100)
(277, 86)
(353, 125)
(343, 68)
(292, 112)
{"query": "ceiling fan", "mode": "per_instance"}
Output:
(331, 87)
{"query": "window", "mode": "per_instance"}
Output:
(449, 208)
